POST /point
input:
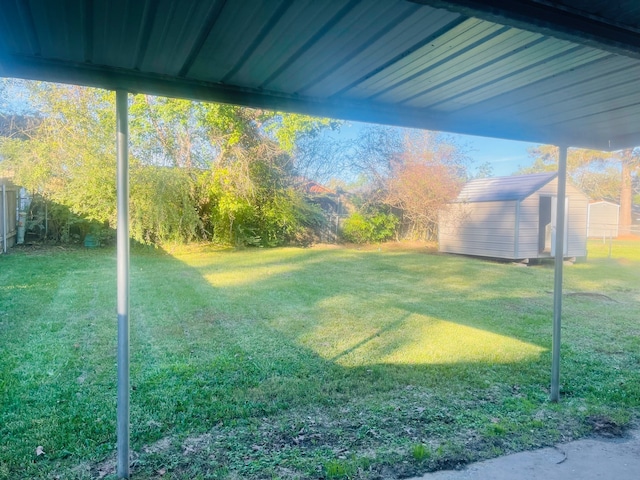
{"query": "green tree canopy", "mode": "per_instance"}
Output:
(198, 170)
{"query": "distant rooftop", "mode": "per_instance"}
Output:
(517, 187)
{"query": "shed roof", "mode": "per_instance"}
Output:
(517, 187)
(561, 72)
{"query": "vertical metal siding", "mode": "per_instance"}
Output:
(342, 44)
(603, 219)
(481, 229)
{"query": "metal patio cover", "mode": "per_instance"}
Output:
(562, 72)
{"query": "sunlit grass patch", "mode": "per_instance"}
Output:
(621, 251)
(412, 339)
(442, 342)
(240, 277)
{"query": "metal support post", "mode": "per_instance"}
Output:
(122, 187)
(557, 283)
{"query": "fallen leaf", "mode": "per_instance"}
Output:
(39, 450)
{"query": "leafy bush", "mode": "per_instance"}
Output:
(377, 227)
(258, 209)
(162, 205)
(199, 171)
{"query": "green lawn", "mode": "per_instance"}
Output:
(308, 363)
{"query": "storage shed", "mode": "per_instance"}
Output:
(513, 218)
(603, 219)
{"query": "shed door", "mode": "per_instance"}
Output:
(547, 214)
(554, 214)
(544, 225)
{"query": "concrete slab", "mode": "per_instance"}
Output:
(589, 459)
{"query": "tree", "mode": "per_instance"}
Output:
(321, 157)
(484, 170)
(167, 132)
(423, 179)
(373, 152)
(68, 157)
(412, 173)
(289, 128)
(630, 165)
(594, 172)
(601, 175)
(198, 170)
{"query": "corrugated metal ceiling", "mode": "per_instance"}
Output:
(555, 72)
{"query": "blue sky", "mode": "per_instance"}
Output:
(505, 156)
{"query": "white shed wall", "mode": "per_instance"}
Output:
(484, 229)
(603, 220)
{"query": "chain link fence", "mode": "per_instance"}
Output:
(626, 244)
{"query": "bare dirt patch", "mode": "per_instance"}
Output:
(161, 445)
(606, 427)
(594, 295)
(196, 444)
(39, 249)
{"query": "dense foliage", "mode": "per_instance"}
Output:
(368, 228)
(198, 171)
(408, 174)
(221, 173)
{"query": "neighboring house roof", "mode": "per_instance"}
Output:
(310, 186)
(313, 187)
(597, 202)
(517, 187)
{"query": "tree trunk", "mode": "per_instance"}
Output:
(626, 199)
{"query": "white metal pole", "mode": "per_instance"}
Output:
(122, 187)
(557, 283)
